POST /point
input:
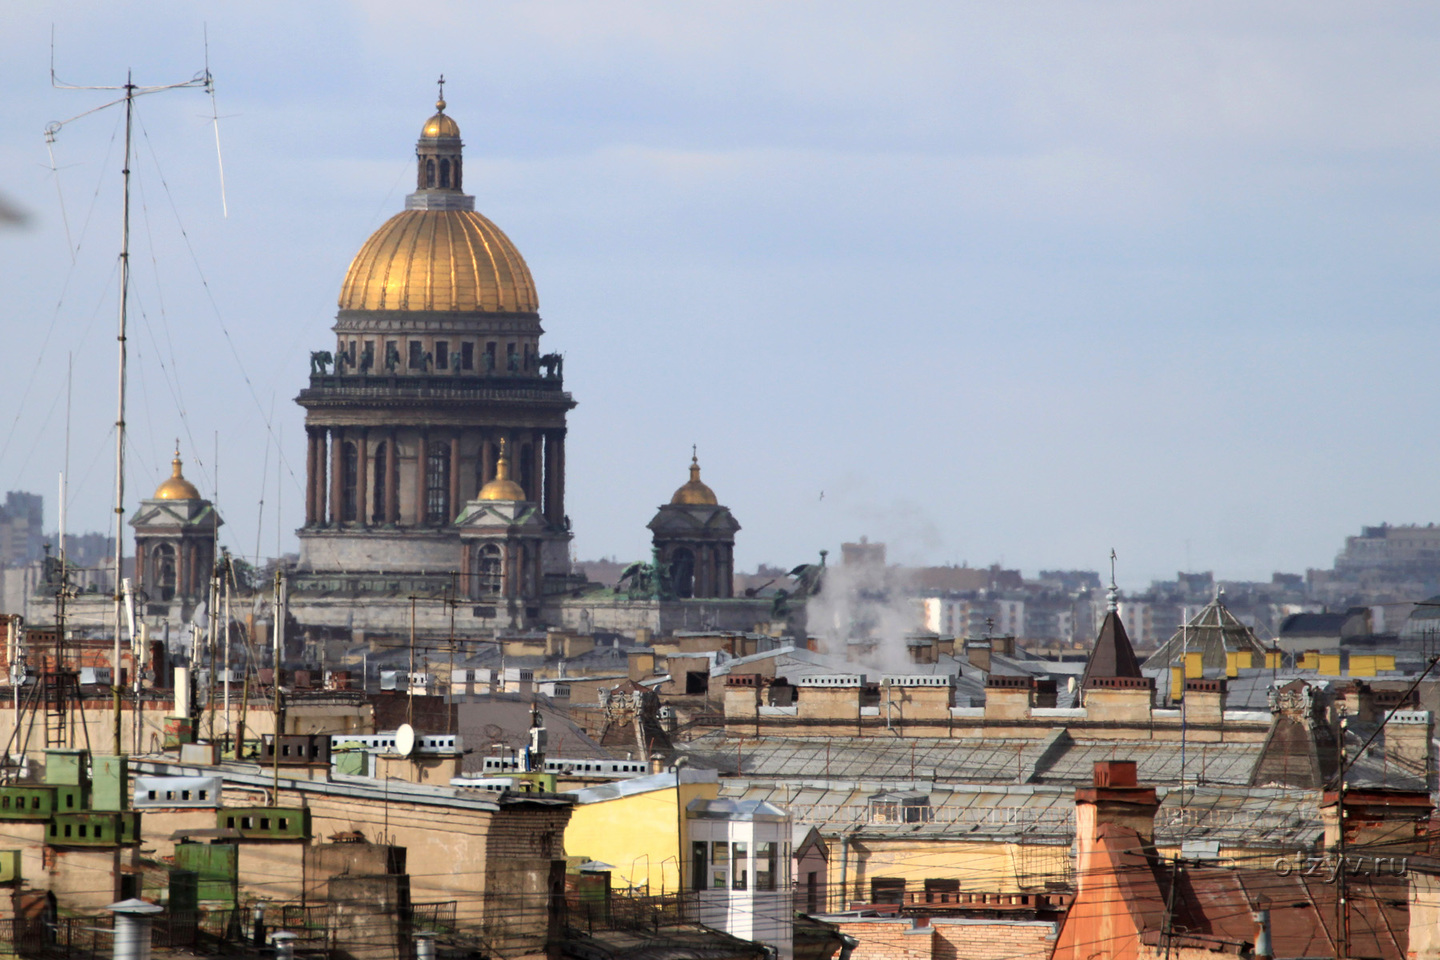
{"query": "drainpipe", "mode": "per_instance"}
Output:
(844, 869)
(849, 945)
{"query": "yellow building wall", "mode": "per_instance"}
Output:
(979, 867)
(644, 837)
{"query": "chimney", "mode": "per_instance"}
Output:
(1117, 800)
(1264, 950)
(1397, 821)
(978, 653)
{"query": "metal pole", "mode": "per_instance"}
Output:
(120, 412)
(229, 732)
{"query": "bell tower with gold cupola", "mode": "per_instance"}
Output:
(437, 362)
(175, 542)
(694, 541)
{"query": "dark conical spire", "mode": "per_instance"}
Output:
(1113, 655)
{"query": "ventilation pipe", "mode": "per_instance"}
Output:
(425, 946)
(132, 928)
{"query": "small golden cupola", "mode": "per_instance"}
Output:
(502, 487)
(176, 487)
(694, 493)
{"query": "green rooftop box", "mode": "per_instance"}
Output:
(93, 829)
(65, 767)
(266, 823)
(216, 867)
(107, 783)
(26, 802)
(9, 866)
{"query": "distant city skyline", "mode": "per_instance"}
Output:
(1016, 286)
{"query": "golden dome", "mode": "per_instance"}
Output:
(502, 487)
(177, 487)
(447, 260)
(694, 493)
(440, 125)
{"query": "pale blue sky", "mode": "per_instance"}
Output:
(1010, 282)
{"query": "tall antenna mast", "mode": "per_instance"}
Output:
(131, 91)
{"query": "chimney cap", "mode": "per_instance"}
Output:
(1116, 773)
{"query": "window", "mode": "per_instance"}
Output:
(682, 573)
(467, 356)
(490, 570)
(162, 565)
(445, 173)
(765, 863)
(720, 865)
(887, 890)
(812, 892)
(392, 355)
(349, 481)
(512, 363)
(442, 354)
(739, 874)
(437, 484)
(264, 823)
(698, 869)
(429, 173)
(490, 357)
(417, 355)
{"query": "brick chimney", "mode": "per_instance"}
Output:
(1115, 799)
(1396, 822)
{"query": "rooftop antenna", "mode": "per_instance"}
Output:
(215, 122)
(131, 91)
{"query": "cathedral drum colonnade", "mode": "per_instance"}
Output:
(436, 388)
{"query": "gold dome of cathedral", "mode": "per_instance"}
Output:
(440, 125)
(695, 493)
(439, 254)
(446, 260)
(502, 487)
(176, 487)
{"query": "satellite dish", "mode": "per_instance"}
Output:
(405, 740)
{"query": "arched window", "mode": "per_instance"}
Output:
(457, 173)
(429, 173)
(349, 483)
(489, 572)
(377, 510)
(162, 567)
(682, 573)
(444, 173)
(437, 484)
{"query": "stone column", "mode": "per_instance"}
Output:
(548, 507)
(309, 477)
(319, 477)
(362, 466)
(337, 447)
(560, 476)
(454, 510)
(392, 479)
(422, 452)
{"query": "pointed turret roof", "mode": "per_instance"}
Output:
(1113, 655)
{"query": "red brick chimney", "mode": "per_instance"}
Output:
(1116, 799)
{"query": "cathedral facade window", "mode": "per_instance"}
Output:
(437, 484)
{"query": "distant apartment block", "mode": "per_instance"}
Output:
(21, 523)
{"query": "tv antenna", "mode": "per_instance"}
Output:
(131, 91)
